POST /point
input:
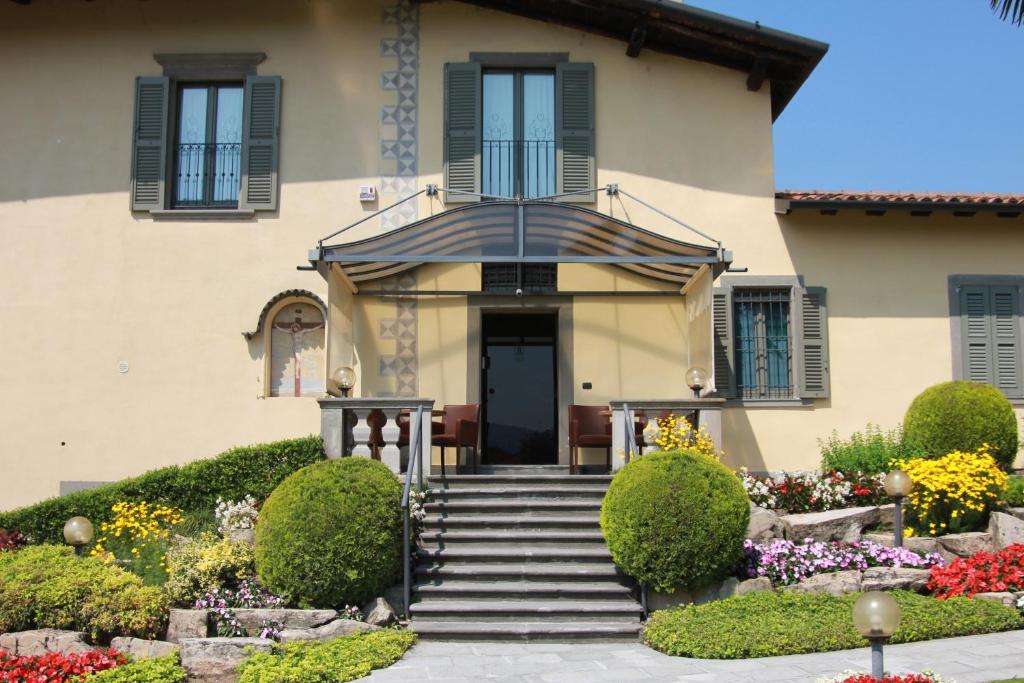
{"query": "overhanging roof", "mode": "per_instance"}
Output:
(524, 231)
(783, 59)
(830, 202)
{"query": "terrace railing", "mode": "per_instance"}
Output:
(703, 413)
(415, 465)
(207, 174)
(518, 168)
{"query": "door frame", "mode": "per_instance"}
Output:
(561, 306)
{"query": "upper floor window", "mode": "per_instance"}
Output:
(208, 148)
(518, 133)
(206, 135)
(522, 132)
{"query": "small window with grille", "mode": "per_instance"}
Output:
(764, 349)
(532, 278)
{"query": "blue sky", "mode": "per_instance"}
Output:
(912, 95)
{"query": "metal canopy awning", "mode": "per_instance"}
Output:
(522, 231)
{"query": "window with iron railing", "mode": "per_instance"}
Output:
(207, 153)
(763, 343)
(518, 145)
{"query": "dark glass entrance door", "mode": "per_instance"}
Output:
(520, 405)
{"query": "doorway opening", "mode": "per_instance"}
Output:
(519, 388)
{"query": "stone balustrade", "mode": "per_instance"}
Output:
(707, 412)
(345, 430)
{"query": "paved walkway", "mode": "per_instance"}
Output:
(974, 659)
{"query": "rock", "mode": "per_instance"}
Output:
(836, 583)
(395, 596)
(241, 536)
(1002, 598)
(764, 525)
(832, 525)
(43, 641)
(887, 514)
(761, 584)
(137, 648)
(379, 613)
(895, 578)
(1016, 512)
(341, 627)
(966, 544)
(252, 619)
(290, 635)
(1005, 530)
(215, 660)
(188, 623)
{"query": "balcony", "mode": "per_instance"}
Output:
(518, 168)
(207, 175)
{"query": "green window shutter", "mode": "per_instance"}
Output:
(261, 131)
(462, 130)
(724, 357)
(149, 143)
(574, 130)
(814, 363)
(974, 333)
(1006, 361)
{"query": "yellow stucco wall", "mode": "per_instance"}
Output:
(88, 284)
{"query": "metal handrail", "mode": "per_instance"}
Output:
(631, 446)
(415, 460)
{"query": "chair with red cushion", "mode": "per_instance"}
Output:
(459, 428)
(589, 427)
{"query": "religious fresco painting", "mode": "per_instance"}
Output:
(297, 351)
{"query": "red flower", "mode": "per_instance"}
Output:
(981, 573)
(56, 667)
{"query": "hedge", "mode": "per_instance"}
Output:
(785, 623)
(342, 659)
(47, 586)
(675, 520)
(331, 534)
(249, 470)
(153, 670)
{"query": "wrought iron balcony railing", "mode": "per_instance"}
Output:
(518, 168)
(207, 175)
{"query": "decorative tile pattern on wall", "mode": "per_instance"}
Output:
(400, 121)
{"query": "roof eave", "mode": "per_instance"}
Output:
(786, 206)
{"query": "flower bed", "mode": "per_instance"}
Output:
(798, 492)
(980, 573)
(56, 667)
(856, 677)
(223, 602)
(786, 562)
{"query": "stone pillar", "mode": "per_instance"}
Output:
(711, 420)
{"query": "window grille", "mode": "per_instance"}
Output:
(764, 354)
(530, 277)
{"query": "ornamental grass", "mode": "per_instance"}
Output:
(952, 494)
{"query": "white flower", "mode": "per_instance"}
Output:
(236, 515)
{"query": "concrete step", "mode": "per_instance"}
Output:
(485, 609)
(502, 536)
(523, 469)
(523, 571)
(537, 480)
(447, 589)
(567, 520)
(506, 492)
(546, 631)
(513, 507)
(515, 552)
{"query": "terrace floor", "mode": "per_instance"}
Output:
(973, 659)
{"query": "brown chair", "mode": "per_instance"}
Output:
(589, 427)
(459, 428)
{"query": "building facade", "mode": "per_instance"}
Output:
(174, 169)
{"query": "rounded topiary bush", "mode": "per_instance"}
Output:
(331, 534)
(962, 416)
(675, 520)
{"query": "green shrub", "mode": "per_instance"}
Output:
(49, 587)
(962, 416)
(198, 565)
(675, 520)
(867, 452)
(1015, 492)
(153, 670)
(343, 659)
(784, 623)
(331, 534)
(251, 470)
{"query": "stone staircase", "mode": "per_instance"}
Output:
(518, 554)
